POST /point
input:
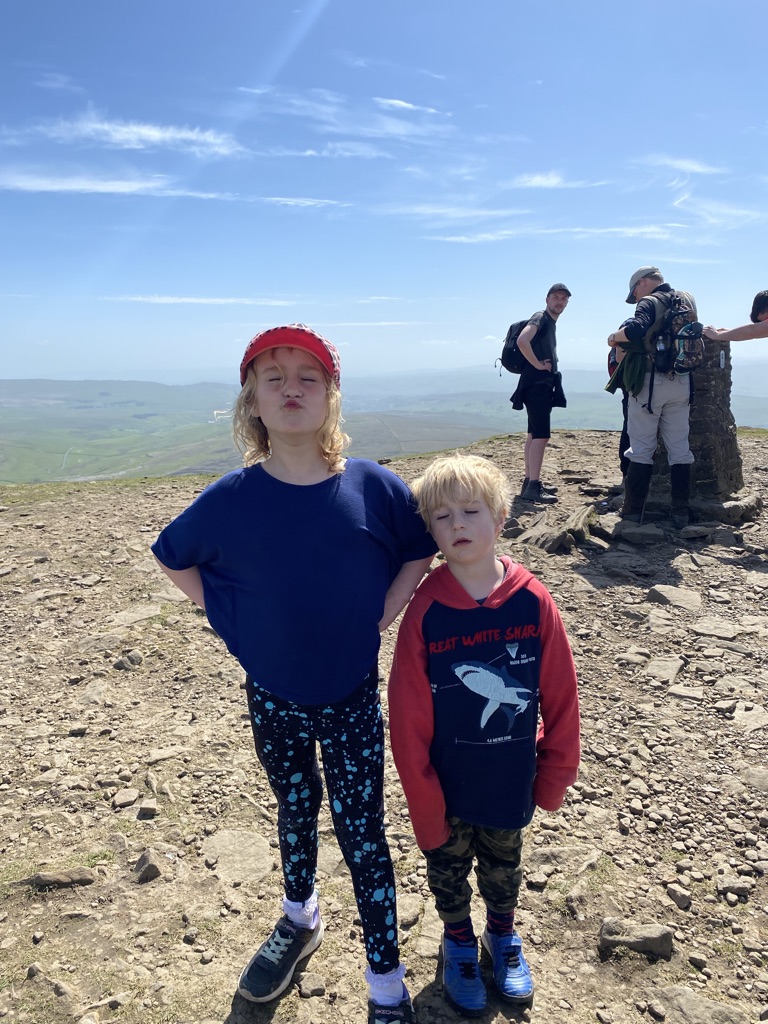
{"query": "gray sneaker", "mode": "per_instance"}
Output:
(402, 1013)
(270, 970)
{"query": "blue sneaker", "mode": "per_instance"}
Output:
(510, 971)
(462, 984)
(270, 970)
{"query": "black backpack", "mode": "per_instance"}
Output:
(677, 344)
(511, 357)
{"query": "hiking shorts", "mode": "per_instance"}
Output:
(538, 404)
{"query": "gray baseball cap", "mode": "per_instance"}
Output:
(559, 287)
(638, 276)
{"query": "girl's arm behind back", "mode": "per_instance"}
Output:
(188, 581)
(401, 589)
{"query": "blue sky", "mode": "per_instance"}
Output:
(406, 177)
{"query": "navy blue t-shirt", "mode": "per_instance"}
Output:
(295, 576)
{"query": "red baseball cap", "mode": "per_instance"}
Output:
(294, 336)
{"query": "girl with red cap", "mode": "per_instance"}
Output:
(300, 559)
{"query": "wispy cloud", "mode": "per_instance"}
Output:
(682, 164)
(549, 179)
(91, 128)
(649, 231)
(55, 80)
(319, 105)
(362, 150)
(444, 212)
(383, 126)
(157, 185)
(187, 300)
(334, 151)
(299, 201)
(404, 105)
(356, 61)
(717, 214)
(328, 112)
(499, 139)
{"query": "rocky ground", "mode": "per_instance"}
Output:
(139, 869)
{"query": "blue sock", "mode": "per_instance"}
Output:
(460, 931)
(501, 924)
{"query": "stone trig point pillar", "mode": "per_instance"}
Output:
(717, 471)
(717, 482)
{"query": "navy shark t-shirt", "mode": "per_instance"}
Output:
(484, 677)
(483, 704)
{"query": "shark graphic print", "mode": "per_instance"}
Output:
(500, 689)
(485, 694)
(483, 670)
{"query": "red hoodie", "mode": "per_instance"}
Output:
(468, 683)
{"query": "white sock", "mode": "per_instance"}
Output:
(305, 914)
(386, 989)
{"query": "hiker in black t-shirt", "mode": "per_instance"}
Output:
(536, 390)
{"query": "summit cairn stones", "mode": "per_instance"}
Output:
(717, 472)
(717, 480)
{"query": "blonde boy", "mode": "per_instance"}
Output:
(484, 721)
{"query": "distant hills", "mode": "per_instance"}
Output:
(71, 430)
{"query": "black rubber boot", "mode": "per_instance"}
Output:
(636, 484)
(680, 479)
(534, 492)
(545, 488)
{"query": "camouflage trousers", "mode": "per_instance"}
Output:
(498, 869)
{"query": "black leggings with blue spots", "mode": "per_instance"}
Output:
(351, 738)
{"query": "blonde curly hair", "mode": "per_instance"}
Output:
(252, 437)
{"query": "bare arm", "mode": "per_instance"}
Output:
(401, 589)
(745, 333)
(524, 340)
(187, 580)
(615, 337)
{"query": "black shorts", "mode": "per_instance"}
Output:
(538, 404)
